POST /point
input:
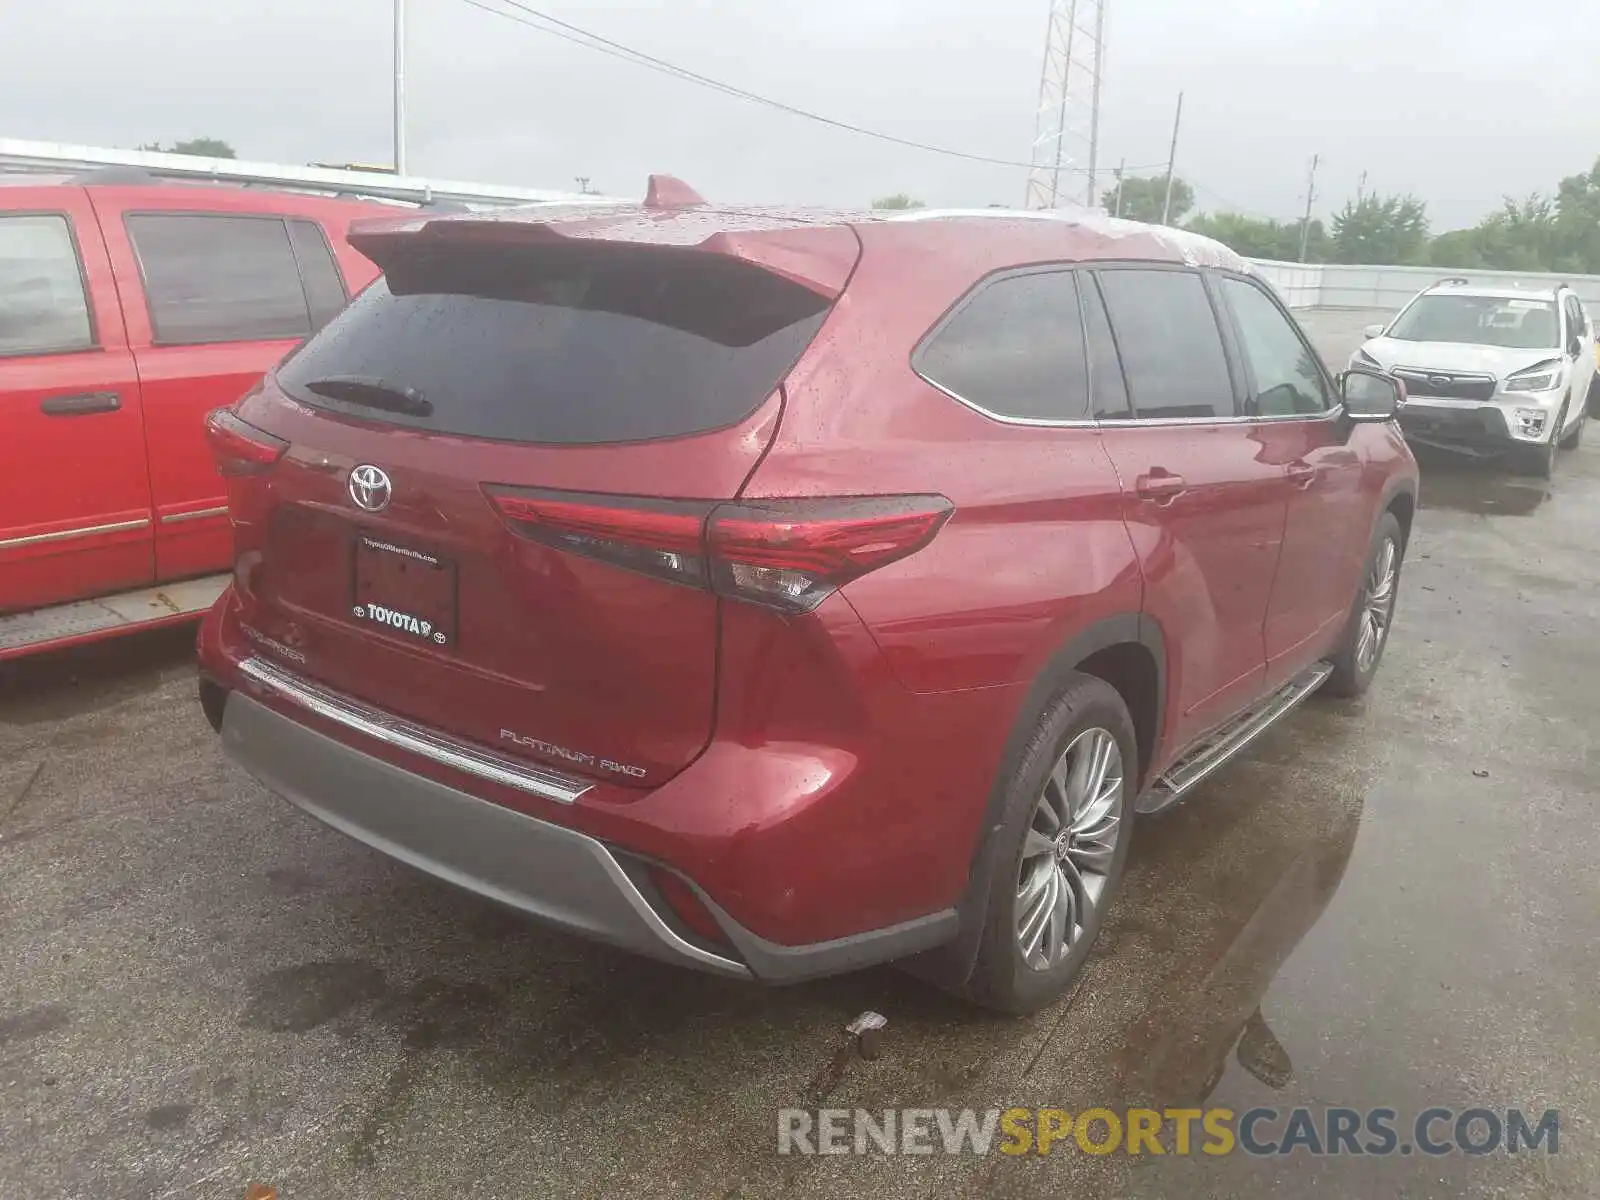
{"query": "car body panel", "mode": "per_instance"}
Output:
(75, 515)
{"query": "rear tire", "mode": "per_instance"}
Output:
(1057, 873)
(1358, 657)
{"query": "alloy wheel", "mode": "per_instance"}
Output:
(1377, 605)
(1070, 846)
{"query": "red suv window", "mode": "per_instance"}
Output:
(555, 346)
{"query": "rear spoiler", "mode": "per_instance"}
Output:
(673, 220)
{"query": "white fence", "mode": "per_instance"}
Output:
(1336, 285)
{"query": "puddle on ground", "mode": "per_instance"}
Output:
(1485, 488)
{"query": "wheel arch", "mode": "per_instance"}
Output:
(1401, 500)
(1129, 648)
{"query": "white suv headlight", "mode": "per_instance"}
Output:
(1545, 379)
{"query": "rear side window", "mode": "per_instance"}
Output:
(1014, 349)
(560, 345)
(219, 278)
(1171, 348)
(1288, 381)
(324, 286)
(43, 309)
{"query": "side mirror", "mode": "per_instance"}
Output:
(1575, 348)
(1372, 331)
(1371, 395)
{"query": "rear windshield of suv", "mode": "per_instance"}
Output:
(1480, 321)
(559, 345)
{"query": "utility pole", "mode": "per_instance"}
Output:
(1172, 158)
(583, 184)
(399, 87)
(1361, 188)
(1311, 196)
(1122, 168)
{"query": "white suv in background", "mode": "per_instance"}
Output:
(1490, 370)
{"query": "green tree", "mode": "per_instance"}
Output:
(1578, 222)
(1144, 196)
(1261, 237)
(203, 147)
(897, 201)
(1380, 229)
(1522, 236)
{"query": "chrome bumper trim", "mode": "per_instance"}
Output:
(395, 731)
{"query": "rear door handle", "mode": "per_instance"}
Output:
(1160, 486)
(80, 405)
(1302, 474)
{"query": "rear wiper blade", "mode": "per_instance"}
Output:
(368, 391)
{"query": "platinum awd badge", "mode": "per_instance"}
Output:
(404, 622)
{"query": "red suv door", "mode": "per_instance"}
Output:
(74, 491)
(1203, 500)
(1325, 533)
(215, 295)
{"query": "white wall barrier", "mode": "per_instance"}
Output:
(1338, 285)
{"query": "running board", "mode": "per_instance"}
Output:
(1220, 745)
(90, 620)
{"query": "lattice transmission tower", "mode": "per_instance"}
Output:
(1066, 140)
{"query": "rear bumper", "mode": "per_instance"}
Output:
(561, 876)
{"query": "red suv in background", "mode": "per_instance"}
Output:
(128, 310)
(778, 593)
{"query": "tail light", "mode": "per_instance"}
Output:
(238, 447)
(786, 554)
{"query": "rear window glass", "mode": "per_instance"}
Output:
(559, 346)
(324, 286)
(219, 278)
(1015, 349)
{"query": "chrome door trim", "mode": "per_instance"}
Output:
(220, 510)
(62, 535)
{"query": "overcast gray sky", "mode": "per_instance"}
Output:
(1458, 101)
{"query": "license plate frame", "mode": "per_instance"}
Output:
(404, 591)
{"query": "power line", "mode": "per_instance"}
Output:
(566, 31)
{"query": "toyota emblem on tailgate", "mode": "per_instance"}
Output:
(370, 488)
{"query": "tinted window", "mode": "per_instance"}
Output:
(1171, 348)
(560, 345)
(1106, 385)
(1287, 378)
(1015, 349)
(324, 286)
(42, 305)
(219, 279)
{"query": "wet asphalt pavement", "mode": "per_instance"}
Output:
(1393, 902)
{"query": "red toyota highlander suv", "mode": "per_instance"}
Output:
(778, 593)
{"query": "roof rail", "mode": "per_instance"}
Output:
(17, 155)
(113, 176)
